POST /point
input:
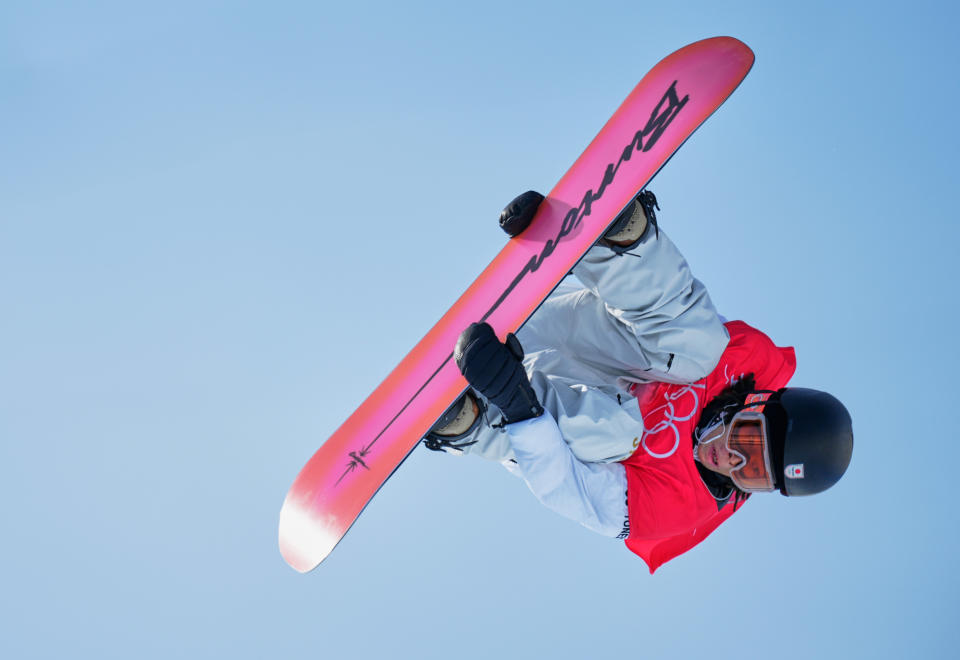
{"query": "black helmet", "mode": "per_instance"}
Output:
(812, 440)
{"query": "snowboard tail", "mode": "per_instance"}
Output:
(658, 116)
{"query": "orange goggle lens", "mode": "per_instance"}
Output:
(749, 440)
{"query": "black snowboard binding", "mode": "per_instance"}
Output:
(632, 223)
(458, 423)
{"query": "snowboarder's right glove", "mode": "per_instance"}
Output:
(496, 371)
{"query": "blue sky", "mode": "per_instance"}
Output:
(222, 224)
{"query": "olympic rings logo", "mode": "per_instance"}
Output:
(680, 405)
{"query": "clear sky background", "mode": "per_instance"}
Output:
(222, 224)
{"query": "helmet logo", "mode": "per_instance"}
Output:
(794, 471)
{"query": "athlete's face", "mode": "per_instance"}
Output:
(714, 455)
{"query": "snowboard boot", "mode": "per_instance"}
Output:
(631, 225)
(456, 425)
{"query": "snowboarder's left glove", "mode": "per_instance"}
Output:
(518, 214)
(496, 371)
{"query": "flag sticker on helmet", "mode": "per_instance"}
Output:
(794, 471)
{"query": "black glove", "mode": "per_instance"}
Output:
(517, 215)
(496, 371)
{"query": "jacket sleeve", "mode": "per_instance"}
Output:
(592, 494)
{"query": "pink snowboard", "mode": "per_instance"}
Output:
(662, 111)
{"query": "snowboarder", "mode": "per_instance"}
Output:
(637, 410)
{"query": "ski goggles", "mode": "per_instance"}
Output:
(749, 439)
